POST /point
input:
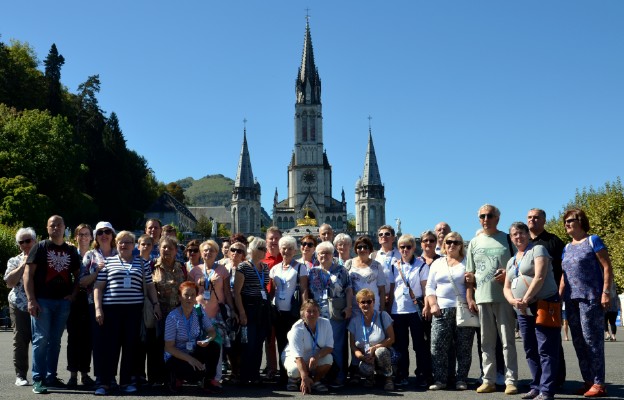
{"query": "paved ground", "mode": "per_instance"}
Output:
(614, 359)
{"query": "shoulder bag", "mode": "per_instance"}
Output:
(464, 318)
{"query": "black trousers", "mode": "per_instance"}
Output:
(79, 335)
(208, 355)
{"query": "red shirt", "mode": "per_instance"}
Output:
(271, 261)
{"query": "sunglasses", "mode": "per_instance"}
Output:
(104, 232)
(570, 220)
(405, 247)
(369, 302)
(307, 244)
(125, 243)
(26, 241)
(362, 248)
(386, 234)
(455, 242)
(262, 248)
(193, 251)
(488, 215)
(237, 251)
(428, 241)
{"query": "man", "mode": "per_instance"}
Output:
(272, 258)
(326, 233)
(536, 219)
(50, 290)
(487, 257)
(153, 227)
(441, 230)
(225, 248)
(387, 256)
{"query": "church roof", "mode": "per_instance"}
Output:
(370, 176)
(308, 86)
(244, 175)
(168, 203)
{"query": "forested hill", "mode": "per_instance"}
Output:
(211, 190)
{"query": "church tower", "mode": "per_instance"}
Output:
(309, 171)
(245, 196)
(370, 201)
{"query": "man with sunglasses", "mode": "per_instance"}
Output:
(488, 254)
(387, 256)
(50, 280)
(536, 219)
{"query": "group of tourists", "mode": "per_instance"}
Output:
(148, 311)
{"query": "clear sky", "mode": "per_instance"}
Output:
(512, 103)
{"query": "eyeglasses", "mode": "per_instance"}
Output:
(428, 241)
(307, 244)
(237, 251)
(125, 243)
(488, 215)
(192, 251)
(362, 247)
(261, 248)
(455, 242)
(25, 241)
(368, 302)
(386, 234)
(570, 220)
(84, 235)
(405, 247)
(104, 232)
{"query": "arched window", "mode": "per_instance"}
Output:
(243, 217)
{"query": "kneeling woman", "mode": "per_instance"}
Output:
(308, 354)
(190, 351)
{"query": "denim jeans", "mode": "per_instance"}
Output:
(47, 330)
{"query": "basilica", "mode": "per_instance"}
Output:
(308, 201)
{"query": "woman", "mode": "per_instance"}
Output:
(214, 293)
(119, 312)
(308, 354)
(285, 277)
(342, 243)
(80, 320)
(308, 244)
(167, 275)
(193, 256)
(191, 353)
(530, 278)
(93, 262)
(367, 274)
(236, 253)
(370, 335)
(252, 303)
(428, 242)
(18, 303)
(587, 277)
(331, 287)
(445, 287)
(409, 279)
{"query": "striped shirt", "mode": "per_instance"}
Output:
(252, 285)
(115, 273)
(180, 330)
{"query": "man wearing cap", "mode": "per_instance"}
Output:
(50, 280)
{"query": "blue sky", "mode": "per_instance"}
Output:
(512, 103)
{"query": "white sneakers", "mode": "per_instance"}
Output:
(19, 381)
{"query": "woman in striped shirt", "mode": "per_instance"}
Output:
(252, 303)
(119, 300)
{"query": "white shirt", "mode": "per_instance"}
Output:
(387, 261)
(301, 341)
(439, 282)
(414, 274)
(285, 283)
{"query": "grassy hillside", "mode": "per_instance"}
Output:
(211, 190)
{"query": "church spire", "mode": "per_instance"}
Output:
(308, 85)
(371, 176)
(244, 175)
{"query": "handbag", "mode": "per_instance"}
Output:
(548, 314)
(464, 318)
(337, 306)
(295, 300)
(149, 320)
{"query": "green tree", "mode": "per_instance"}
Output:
(605, 209)
(176, 191)
(53, 63)
(22, 85)
(204, 227)
(21, 204)
(8, 249)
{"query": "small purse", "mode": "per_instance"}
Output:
(548, 314)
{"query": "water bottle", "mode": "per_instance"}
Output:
(244, 334)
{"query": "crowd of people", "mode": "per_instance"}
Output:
(147, 311)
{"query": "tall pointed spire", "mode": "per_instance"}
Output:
(308, 86)
(244, 175)
(371, 176)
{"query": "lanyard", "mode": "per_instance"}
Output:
(232, 272)
(368, 331)
(314, 336)
(389, 256)
(407, 272)
(519, 262)
(284, 271)
(124, 266)
(260, 277)
(188, 321)
(208, 277)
